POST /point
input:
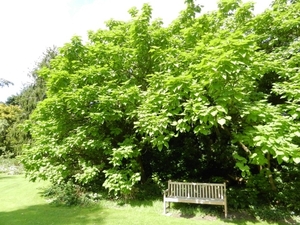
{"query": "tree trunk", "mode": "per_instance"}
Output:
(269, 173)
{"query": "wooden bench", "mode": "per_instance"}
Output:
(198, 193)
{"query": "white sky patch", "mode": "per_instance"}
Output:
(29, 27)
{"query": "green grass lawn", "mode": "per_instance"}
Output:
(22, 204)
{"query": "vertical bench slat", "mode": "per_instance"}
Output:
(200, 191)
(208, 192)
(195, 191)
(222, 194)
(187, 191)
(182, 190)
(174, 186)
(175, 189)
(215, 192)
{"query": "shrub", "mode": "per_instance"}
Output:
(270, 213)
(241, 198)
(70, 194)
(288, 185)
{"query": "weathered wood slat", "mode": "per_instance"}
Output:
(198, 193)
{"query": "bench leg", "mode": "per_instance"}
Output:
(165, 206)
(225, 210)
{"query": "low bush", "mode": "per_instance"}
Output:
(288, 185)
(70, 194)
(241, 197)
(270, 213)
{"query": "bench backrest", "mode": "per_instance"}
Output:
(197, 190)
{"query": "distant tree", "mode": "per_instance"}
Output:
(4, 82)
(9, 114)
(27, 100)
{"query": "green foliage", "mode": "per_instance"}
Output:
(211, 97)
(288, 182)
(69, 194)
(271, 214)
(9, 115)
(94, 90)
(242, 198)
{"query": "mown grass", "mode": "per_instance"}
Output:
(21, 203)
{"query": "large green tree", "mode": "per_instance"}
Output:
(218, 89)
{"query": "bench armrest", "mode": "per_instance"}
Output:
(166, 192)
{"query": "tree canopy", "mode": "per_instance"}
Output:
(211, 96)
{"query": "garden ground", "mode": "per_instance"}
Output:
(21, 203)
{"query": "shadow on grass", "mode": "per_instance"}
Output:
(47, 214)
(141, 198)
(270, 216)
(208, 212)
(136, 203)
(146, 201)
(201, 211)
(5, 176)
